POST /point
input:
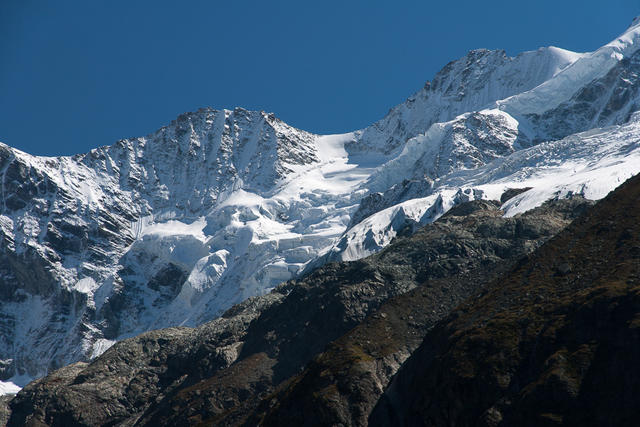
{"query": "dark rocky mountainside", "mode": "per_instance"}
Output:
(321, 349)
(556, 341)
(4, 409)
(462, 251)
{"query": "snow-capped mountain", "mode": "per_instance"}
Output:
(468, 84)
(176, 227)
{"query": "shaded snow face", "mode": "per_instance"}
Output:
(605, 101)
(176, 227)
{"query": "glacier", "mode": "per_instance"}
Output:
(173, 228)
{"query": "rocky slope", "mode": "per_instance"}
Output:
(343, 384)
(221, 370)
(553, 342)
(174, 228)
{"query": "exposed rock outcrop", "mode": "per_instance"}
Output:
(553, 342)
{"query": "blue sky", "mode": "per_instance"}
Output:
(79, 74)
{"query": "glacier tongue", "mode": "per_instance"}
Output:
(176, 227)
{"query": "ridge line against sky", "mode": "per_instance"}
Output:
(77, 75)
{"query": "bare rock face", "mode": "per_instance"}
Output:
(5, 413)
(457, 254)
(148, 367)
(297, 339)
(552, 342)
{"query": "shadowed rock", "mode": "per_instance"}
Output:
(554, 342)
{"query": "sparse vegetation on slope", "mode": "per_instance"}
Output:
(554, 342)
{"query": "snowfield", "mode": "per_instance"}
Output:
(221, 205)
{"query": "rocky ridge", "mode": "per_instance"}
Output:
(553, 342)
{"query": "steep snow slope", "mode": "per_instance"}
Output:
(570, 80)
(175, 227)
(467, 84)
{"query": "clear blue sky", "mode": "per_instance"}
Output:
(79, 74)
